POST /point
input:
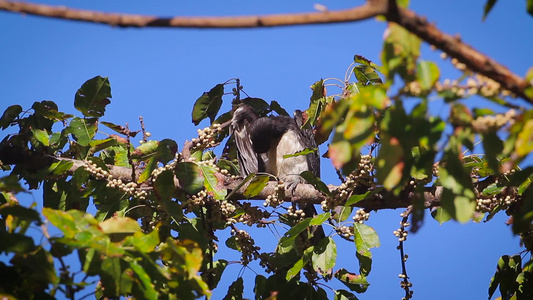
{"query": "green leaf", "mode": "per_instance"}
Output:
(258, 104)
(208, 104)
(213, 182)
(524, 141)
(300, 153)
(492, 189)
(488, 8)
(15, 243)
(340, 153)
(344, 295)
(62, 220)
(493, 147)
(257, 185)
(529, 9)
(427, 74)
(354, 282)
(10, 114)
(324, 255)
(41, 136)
(146, 149)
(111, 276)
(146, 286)
(20, 212)
(365, 71)
(274, 105)
(83, 130)
(235, 290)
(365, 238)
(218, 266)
(390, 163)
(299, 264)
(318, 184)
(356, 198)
(289, 236)
(93, 96)
(164, 185)
(441, 215)
(60, 167)
(507, 271)
(120, 225)
(401, 50)
(120, 129)
(190, 177)
(99, 145)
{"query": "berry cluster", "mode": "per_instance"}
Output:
(476, 84)
(130, 188)
(362, 177)
(195, 201)
(249, 251)
(295, 213)
(361, 216)
(275, 199)
(251, 215)
(401, 233)
(170, 166)
(489, 123)
(207, 137)
(345, 231)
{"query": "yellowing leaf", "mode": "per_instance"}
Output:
(120, 225)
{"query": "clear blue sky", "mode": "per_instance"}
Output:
(158, 73)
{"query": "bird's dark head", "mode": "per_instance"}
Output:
(244, 114)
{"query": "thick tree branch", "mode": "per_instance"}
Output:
(417, 25)
(362, 12)
(304, 193)
(454, 47)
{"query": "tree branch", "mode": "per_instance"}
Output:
(454, 47)
(362, 12)
(304, 193)
(417, 25)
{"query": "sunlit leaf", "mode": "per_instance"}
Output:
(257, 185)
(120, 225)
(289, 236)
(441, 215)
(324, 255)
(390, 163)
(427, 74)
(213, 182)
(62, 220)
(354, 282)
(299, 264)
(524, 142)
(147, 286)
(365, 238)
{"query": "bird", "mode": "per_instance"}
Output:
(249, 161)
(262, 143)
